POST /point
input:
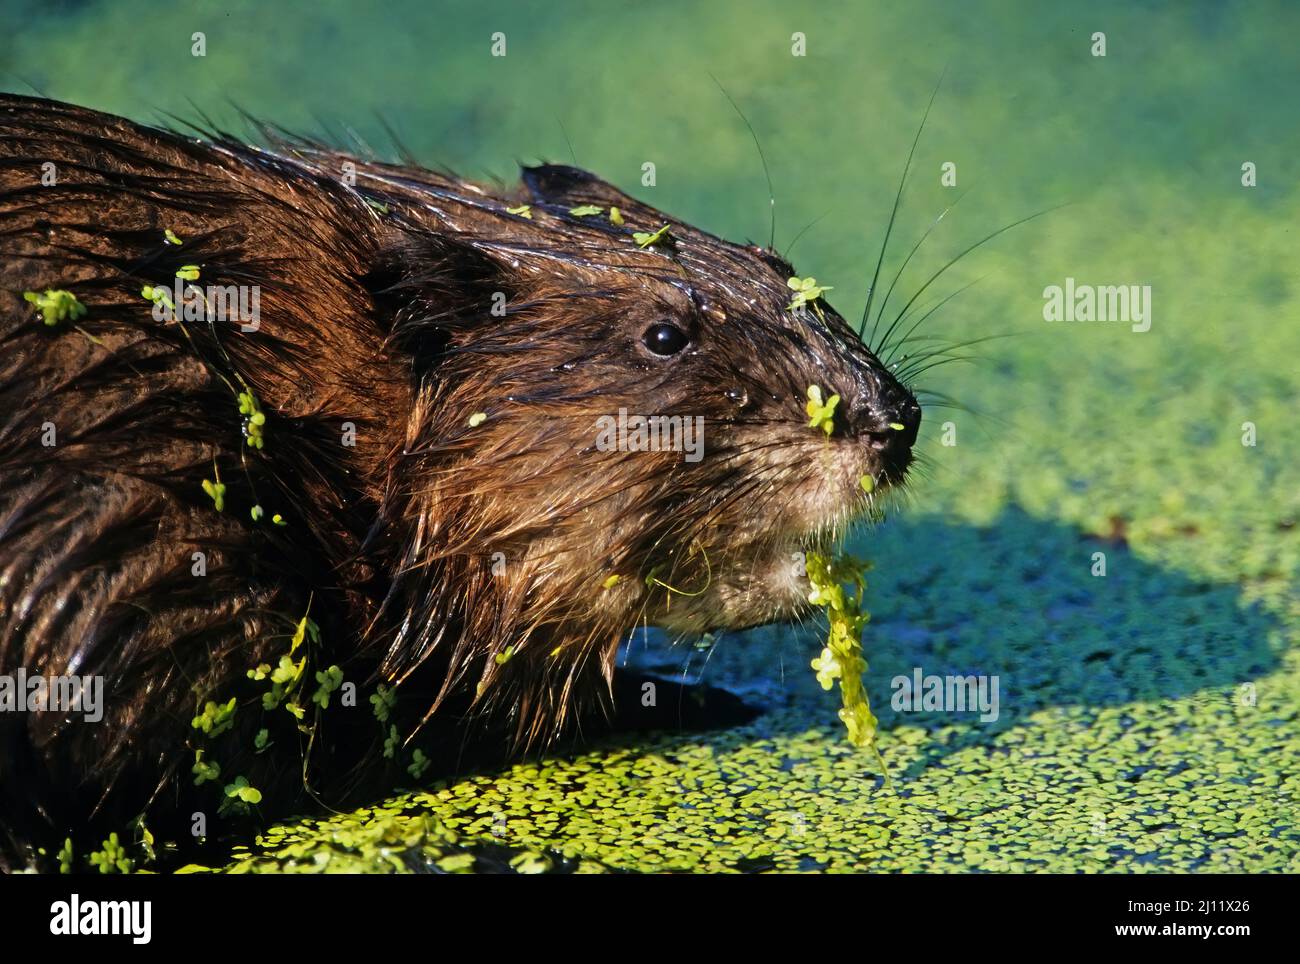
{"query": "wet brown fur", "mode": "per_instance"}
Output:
(376, 310)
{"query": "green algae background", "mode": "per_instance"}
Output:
(1149, 718)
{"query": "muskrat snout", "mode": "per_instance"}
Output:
(887, 421)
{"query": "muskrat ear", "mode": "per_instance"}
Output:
(553, 183)
(566, 186)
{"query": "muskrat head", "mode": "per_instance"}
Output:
(628, 436)
(799, 431)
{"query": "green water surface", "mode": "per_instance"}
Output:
(1149, 718)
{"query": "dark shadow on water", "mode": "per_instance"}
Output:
(1018, 600)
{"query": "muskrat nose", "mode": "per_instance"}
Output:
(890, 431)
(907, 414)
(888, 419)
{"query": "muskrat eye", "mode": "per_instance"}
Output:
(665, 339)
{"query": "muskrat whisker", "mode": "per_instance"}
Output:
(771, 194)
(980, 243)
(904, 371)
(913, 372)
(404, 153)
(923, 466)
(685, 671)
(563, 130)
(955, 406)
(360, 141)
(926, 337)
(751, 484)
(879, 350)
(947, 401)
(212, 131)
(708, 655)
(950, 347)
(938, 355)
(903, 267)
(893, 214)
(809, 226)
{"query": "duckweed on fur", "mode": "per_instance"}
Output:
(55, 305)
(1149, 717)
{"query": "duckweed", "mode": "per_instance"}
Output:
(215, 490)
(254, 419)
(841, 658)
(111, 858)
(1126, 740)
(645, 239)
(821, 414)
(806, 291)
(55, 305)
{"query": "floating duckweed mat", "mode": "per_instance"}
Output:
(399, 837)
(1149, 721)
(1132, 788)
(1149, 718)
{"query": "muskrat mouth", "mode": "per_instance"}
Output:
(893, 466)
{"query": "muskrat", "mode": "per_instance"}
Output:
(392, 469)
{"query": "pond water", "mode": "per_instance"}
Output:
(1150, 717)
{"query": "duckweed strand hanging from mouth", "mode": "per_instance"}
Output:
(841, 658)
